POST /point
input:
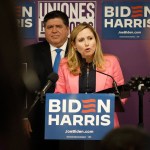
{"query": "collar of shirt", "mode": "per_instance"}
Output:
(53, 52)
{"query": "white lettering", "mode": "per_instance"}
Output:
(54, 105)
(27, 12)
(146, 11)
(117, 11)
(105, 120)
(75, 120)
(103, 106)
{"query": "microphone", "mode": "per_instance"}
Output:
(52, 78)
(114, 82)
(118, 104)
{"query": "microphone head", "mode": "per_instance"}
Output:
(31, 80)
(53, 77)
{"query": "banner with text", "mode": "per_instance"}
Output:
(77, 11)
(78, 116)
(25, 12)
(125, 20)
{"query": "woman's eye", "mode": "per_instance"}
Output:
(80, 40)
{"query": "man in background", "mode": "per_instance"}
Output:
(41, 60)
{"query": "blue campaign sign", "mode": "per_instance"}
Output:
(78, 116)
(125, 20)
(25, 12)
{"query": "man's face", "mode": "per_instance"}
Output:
(56, 32)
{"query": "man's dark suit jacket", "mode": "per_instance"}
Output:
(38, 59)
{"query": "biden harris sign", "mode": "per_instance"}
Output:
(125, 20)
(78, 116)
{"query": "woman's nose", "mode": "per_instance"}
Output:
(86, 42)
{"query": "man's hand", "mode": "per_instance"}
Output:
(27, 126)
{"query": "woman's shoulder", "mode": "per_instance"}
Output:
(110, 57)
(64, 61)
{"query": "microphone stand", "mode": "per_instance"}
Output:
(52, 78)
(140, 84)
(141, 94)
(115, 86)
(39, 97)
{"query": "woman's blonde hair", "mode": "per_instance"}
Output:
(74, 62)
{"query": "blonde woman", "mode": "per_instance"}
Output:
(77, 71)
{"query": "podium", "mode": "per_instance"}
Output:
(78, 116)
(124, 92)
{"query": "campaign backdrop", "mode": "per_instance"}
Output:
(124, 30)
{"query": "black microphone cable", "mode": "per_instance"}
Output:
(118, 104)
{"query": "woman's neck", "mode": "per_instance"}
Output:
(89, 60)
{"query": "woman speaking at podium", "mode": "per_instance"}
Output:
(78, 72)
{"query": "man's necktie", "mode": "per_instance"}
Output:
(57, 60)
